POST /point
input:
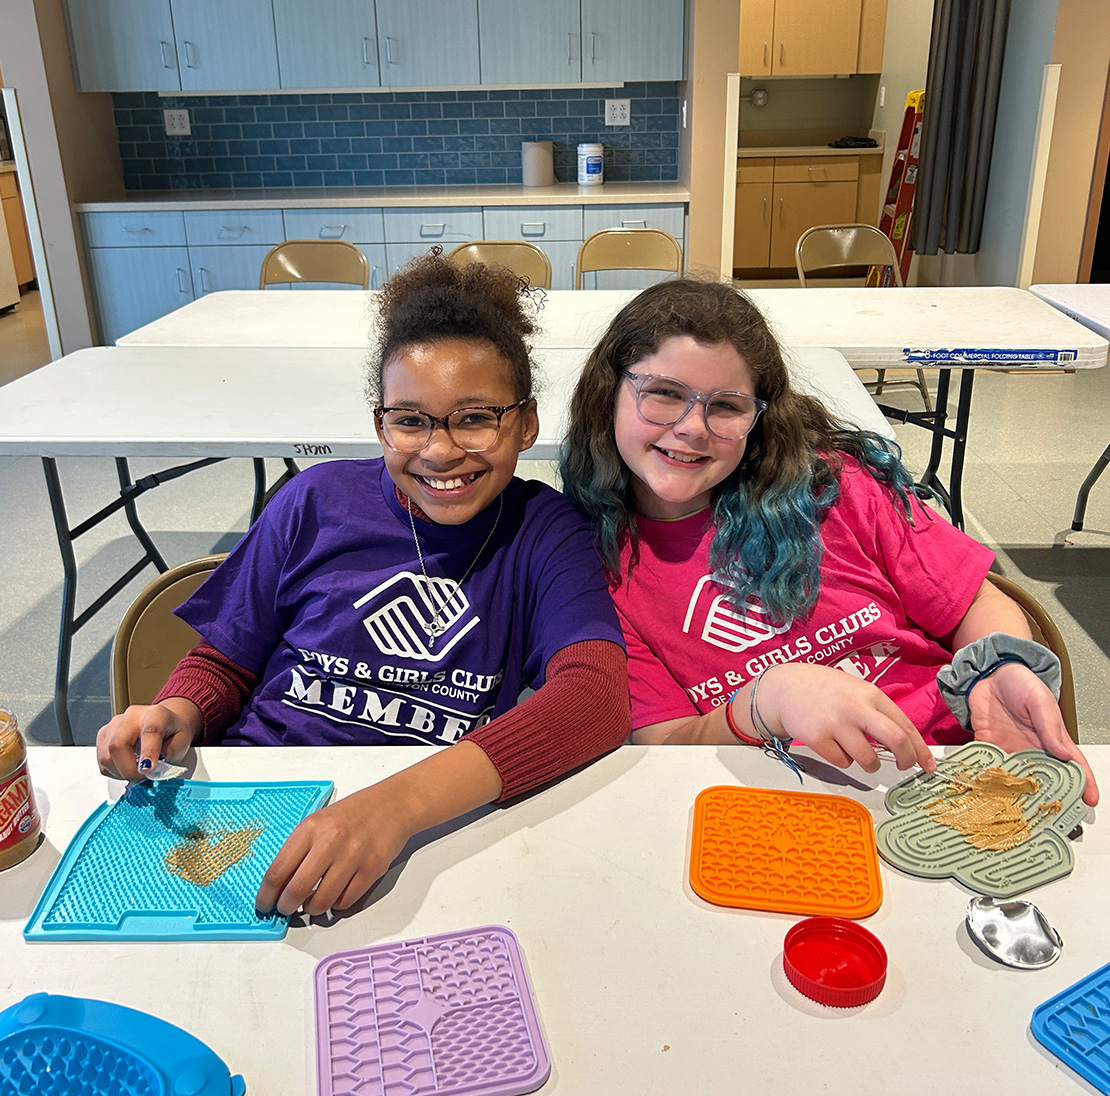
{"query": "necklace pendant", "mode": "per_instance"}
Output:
(435, 628)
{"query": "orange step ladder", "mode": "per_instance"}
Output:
(898, 204)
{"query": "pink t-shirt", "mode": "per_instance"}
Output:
(888, 590)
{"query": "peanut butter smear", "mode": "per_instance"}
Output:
(987, 808)
(204, 855)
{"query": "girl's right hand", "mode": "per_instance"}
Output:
(165, 730)
(837, 716)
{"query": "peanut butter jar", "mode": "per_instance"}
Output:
(19, 817)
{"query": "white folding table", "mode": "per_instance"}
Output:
(210, 403)
(1089, 305)
(640, 985)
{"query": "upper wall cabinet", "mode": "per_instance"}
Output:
(327, 45)
(641, 41)
(123, 45)
(530, 41)
(433, 43)
(225, 44)
(811, 37)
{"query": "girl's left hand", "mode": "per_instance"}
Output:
(1015, 710)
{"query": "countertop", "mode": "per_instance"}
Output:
(396, 197)
(803, 142)
(7, 167)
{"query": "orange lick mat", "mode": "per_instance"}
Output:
(792, 852)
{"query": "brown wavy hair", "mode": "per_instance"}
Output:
(431, 298)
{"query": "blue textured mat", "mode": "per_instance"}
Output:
(115, 882)
(1075, 1026)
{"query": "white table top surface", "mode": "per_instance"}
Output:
(640, 985)
(1088, 304)
(944, 327)
(272, 402)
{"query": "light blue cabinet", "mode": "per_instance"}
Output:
(328, 44)
(123, 45)
(135, 285)
(433, 43)
(530, 41)
(557, 230)
(640, 41)
(218, 268)
(361, 227)
(225, 44)
(412, 232)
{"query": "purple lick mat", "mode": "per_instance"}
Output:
(451, 1013)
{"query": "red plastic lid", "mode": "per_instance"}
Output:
(834, 961)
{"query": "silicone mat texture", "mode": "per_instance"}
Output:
(794, 852)
(80, 1047)
(114, 881)
(1075, 1026)
(451, 1013)
(920, 845)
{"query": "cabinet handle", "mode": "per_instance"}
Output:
(764, 54)
(441, 226)
(593, 46)
(167, 61)
(367, 45)
(629, 224)
(536, 226)
(782, 46)
(388, 50)
(374, 272)
(570, 46)
(181, 281)
(236, 230)
(189, 47)
(780, 209)
(337, 229)
(765, 209)
(203, 280)
(127, 228)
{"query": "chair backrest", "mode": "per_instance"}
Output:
(629, 249)
(521, 257)
(150, 640)
(315, 261)
(827, 247)
(1044, 630)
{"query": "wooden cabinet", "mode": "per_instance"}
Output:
(433, 43)
(328, 44)
(16, 223)
(778, 198)
(123, 45)
(811, 37)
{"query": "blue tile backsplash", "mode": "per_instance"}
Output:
(402, 138)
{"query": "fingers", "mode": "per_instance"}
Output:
(891, 727)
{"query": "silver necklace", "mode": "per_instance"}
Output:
(435, 627)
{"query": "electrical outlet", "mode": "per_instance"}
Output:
(177, 123)
(618, 112)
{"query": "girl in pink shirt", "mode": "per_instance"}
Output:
(775, 576)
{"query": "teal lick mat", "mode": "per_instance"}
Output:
(174, 860)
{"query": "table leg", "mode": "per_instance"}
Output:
(1092, 478)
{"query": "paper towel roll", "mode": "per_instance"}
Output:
(537, 163)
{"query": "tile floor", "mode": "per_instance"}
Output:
(1033, 439)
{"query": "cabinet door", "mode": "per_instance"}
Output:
(563, 256)
(430, 44)
(329, 44)
(223, 45)
(641, 41)
(815, 39)
(133, 286)
(757, 31)
(751, 237)
(529, 41)
(799, 206)
(216, 268)
(123, 45)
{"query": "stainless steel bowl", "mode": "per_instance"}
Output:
(1014, 932)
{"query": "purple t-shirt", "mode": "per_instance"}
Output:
(325, 600)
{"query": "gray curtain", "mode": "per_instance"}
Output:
(966, 48)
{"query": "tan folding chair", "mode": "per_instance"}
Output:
(150, 640)
(629, 249)
(1044, 630)
(833, 247)
(524, 259)
(315, 261)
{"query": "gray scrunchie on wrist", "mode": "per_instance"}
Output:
(972, 663)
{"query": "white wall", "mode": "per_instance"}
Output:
(1028, 49)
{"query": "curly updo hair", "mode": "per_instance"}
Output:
(431, 299)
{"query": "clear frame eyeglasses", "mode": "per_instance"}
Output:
(664, 401)
(472, 429)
